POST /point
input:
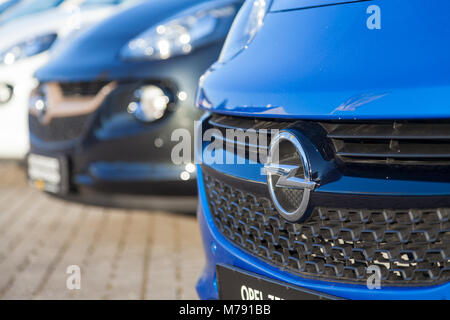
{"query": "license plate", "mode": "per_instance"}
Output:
(47, 173)
(236, 284)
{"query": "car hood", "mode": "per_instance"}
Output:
(95, 53)
(325, 63)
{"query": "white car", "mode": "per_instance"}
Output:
(25, 41)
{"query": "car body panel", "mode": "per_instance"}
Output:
(341, 69)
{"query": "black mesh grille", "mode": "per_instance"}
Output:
(391, 142)
(81, 88)
(59, 129)
(411, 247)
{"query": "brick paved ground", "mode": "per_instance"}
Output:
(123, 254)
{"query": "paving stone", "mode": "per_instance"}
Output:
(122, 254)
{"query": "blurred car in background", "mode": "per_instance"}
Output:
(103, 114)
(27, 32)
(7, 4)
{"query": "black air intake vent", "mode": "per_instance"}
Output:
(59, 129)
(82, 89)
(377, 149)
(410, 143)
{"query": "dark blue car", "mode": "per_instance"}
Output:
(350, 196)
(102, 117)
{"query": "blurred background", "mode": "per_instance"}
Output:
(128, 245)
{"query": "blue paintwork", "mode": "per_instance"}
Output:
(334, 67)
(137, 171)
(323, 63)
(220, 250)
(301, 4)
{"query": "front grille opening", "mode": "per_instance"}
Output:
(59, 129)
(411, 247)
(387, 143)
(372, 149)
(67, 109)
(391, 151)
(80, 89)
(248, 139)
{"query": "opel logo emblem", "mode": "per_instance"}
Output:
(289, 176)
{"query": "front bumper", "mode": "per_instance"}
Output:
(219, 250)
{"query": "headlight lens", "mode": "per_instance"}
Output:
(248, 22)
(150, 105)
(27, 48)
(181, 35)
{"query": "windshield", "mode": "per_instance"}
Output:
(28, 7)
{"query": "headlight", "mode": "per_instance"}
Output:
(179, 36)
(247, 24)
(27, 48)
(150, 104)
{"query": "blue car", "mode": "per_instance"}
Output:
(348, 194)
(102, 117)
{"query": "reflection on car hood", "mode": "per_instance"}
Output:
(334, 67)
